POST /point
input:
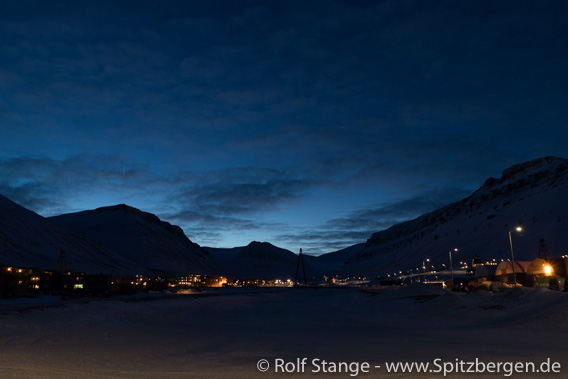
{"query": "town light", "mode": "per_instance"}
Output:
(424, 269)
(548, 270)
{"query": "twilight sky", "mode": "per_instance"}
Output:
(303, 123)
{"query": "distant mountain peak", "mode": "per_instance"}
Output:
(127, 210)
(141, 237)
(259, 244)
(265, 250)
(124, 208)
(257, 260)
(30, 240)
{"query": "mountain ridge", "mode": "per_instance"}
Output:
(30, 240)
(141, 237)
(120, 237)
(529, 194)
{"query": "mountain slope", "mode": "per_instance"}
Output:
(141, 237)
(330, 263)
(260, 260)
(533, 195)
(30, 240)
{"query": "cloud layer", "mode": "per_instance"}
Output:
(292, 121)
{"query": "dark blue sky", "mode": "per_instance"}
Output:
(304, 123)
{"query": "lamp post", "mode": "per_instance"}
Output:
(424, 269)
(452, 270)
(518, 229)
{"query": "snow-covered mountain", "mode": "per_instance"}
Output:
(331, 263)
(260, 260)
(533, 195)
(142, 238)
(30, 240)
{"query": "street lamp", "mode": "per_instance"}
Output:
(518, 229)
(452, 270)
(424, 269)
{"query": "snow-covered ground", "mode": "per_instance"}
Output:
(225, 332)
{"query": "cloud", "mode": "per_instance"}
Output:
(241, 190)
(396, 211)
(48, 185)
(355, 77)
(213, 230)
(206, 203)
(359, 225)
(206, 221)
(316, 242)
(227, 111)
(233, 200)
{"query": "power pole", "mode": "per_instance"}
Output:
(300, 262)
(62, 262)
(543, 252)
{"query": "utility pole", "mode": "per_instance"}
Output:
(62, 262)
(452, 270)
(518, 229)
(543, 252)
(300, 262)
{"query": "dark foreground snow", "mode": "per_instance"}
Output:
(225, 332)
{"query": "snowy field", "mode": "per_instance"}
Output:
(225, 332)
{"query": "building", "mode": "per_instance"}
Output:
(504, 271)
(550, 273)
(20, 281)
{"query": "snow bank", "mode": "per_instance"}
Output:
(222, 332)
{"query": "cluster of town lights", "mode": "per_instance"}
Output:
(548, 269)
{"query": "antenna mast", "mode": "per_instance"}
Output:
(62, 261)
(543, 252)
(300, 262)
